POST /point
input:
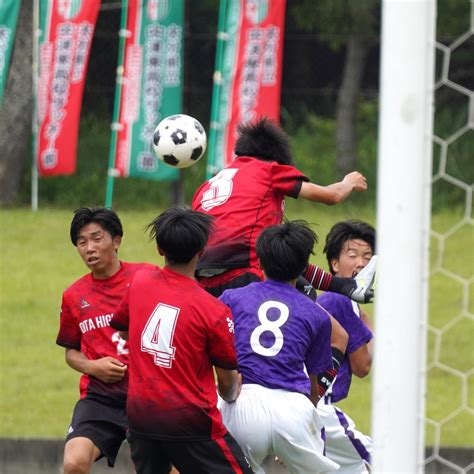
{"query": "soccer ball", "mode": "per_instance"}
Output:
(179, 141)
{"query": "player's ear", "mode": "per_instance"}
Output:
(117, 240)
(334, 265)
(160, 251)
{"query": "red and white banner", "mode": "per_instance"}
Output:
(250, 72)
(66, 30)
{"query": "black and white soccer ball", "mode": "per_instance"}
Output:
(179, 140)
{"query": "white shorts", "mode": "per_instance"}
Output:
(285, 424)
(350, 448)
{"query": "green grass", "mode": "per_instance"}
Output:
(38, 390)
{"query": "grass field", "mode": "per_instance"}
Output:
(38, 262)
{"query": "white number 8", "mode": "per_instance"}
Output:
(272, 326)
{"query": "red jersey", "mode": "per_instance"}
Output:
(244, 199)
(87, 308)
(177, 332)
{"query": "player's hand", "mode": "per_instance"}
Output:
(356, 180)
(108, 369)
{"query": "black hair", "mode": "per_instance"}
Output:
(344, 231)
(264, 140)
(180, 233)
(284, 249)
(105, 217)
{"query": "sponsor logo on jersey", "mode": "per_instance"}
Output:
(84, 304)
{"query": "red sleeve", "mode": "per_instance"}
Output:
(120, 320)
(221, 338)
(69, 334)
(317, 277)
(287, 179)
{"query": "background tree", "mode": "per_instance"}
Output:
(352, 25)
(16, 111)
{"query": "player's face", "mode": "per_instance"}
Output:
(98, 250)
(355, 255)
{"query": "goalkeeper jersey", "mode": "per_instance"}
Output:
(347, 313)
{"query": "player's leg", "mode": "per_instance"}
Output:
(344, 443)
(248, 421)
(149, 455)
(222, 455)
(298, 435)
(79, 455)
(97, 430)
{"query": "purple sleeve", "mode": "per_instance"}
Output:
(318, 358)
(344, 311)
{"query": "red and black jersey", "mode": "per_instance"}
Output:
(87, 307)
(177, 332)
(244, 198)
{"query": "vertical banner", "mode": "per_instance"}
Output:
(9, 10)
(149, 85)
(247, 80)
(66, 31)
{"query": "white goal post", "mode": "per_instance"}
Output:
(403, 228)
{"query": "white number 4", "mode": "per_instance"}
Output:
(158, 334)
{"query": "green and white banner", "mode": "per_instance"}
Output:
(149, 85)
(9, 10)
(247, 77)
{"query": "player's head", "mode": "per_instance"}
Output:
(180, 233)
(102, 216)
(97, 233)
(264, 140)
(349, 247)
(284, 249)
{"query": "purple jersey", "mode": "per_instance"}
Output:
(347, 314)
(279, 331)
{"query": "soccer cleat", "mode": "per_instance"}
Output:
(365, 280)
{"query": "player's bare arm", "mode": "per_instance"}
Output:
(229, 384)
(314, 391)
(361, 361)
(106, 369)
(339, 336)
(336, 192)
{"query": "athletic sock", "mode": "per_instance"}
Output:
(326, 378)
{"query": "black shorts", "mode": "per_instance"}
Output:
(238, 282)
(153, 456)
(104, 424)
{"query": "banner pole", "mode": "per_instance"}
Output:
(217, 79)
(111, 172)
(34, 166)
